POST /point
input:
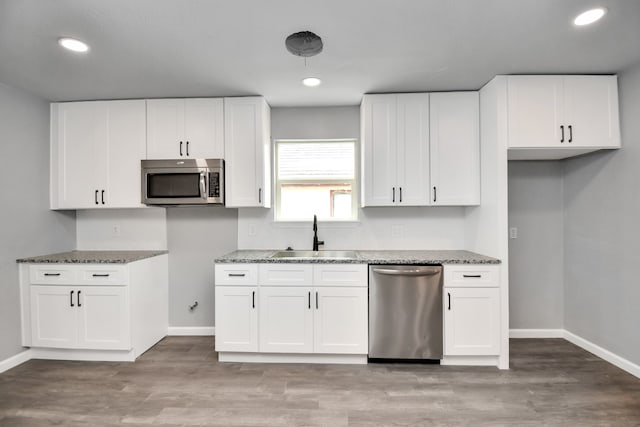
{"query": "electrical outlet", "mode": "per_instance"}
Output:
(252, 230)
(116, 231)
(513, 232)
(397, 230)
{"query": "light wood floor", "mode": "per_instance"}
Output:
(180, 383)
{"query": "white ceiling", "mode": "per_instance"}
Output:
(186, 48)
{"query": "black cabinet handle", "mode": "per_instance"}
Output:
(562, 133)
(393, 194)
(259, 195)
(100, 275)
(71, 298)
(309, 303)
(434, 194)
(449, 296)
(316, 300)
(95, 197)
(400, 194)
(570, 133)
(51, 274)
(102, 196)
(236, 274)
(476, 276)
(79, 305)
(180, 148)
(187, 148)
(253, 299)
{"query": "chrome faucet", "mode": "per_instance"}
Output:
(316, 242)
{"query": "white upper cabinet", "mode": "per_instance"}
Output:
(395, 149)
(185, 128)
(553, 117)
(455, 148)
(247, 145)
(96, 148)
(420, 149)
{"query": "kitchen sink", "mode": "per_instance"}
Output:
(316, 254)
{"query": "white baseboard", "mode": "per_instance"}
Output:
(614, 359)
(602, 353)
(536, 333)
(13, 361)
(192, 330)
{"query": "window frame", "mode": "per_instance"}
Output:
(277, 183)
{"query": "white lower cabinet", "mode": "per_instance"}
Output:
(471, 311)
(101, 311)
(86, 317)
(292, 309)
(236, 318)
(286, 319)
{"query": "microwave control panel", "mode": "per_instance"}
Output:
(214, 184)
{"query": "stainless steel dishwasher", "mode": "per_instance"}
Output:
(405, 312)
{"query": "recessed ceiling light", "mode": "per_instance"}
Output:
(74, 45)
(590, 16)
(311, 81)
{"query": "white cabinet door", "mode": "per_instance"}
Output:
(185, 128)
(591, 105)
(165, 129)
(379, 149)
(247, 147)
(471, 321)
(79, 138)
(536, 109)
(96, 148)
(125, 149)
(412, 182)
(455, 148)
(103, 317)
(53, 316)
(204, 128)
(340, 320)
(236, 318)
(286, 319)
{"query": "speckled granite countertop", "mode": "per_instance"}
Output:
(92, 257)
(364, 257)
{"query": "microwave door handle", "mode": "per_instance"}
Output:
(203, 185)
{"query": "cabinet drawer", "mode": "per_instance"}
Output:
(286, 274)
(475, 275)
(102, 275)
(340, 275)
(236, 274)
(51, 274)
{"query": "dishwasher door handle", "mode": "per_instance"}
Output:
(420, 271)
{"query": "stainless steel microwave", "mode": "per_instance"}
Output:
(183, 182)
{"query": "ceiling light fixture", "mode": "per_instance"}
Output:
(74, 45)
(304, 43)
(311, 81)
(590, 16)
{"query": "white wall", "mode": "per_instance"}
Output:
(27, 226)
(536, 261)
(413, 228)
(138, 229)
(602, 236)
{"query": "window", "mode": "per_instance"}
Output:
(316, 178)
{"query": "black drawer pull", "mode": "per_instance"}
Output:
(51, 274)
(71, 298)
(253, 299)
(316, 300)
(79, 305)
(100, 275)
(472, 276)
(309, 305)
(449, 296)
(236, 274)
